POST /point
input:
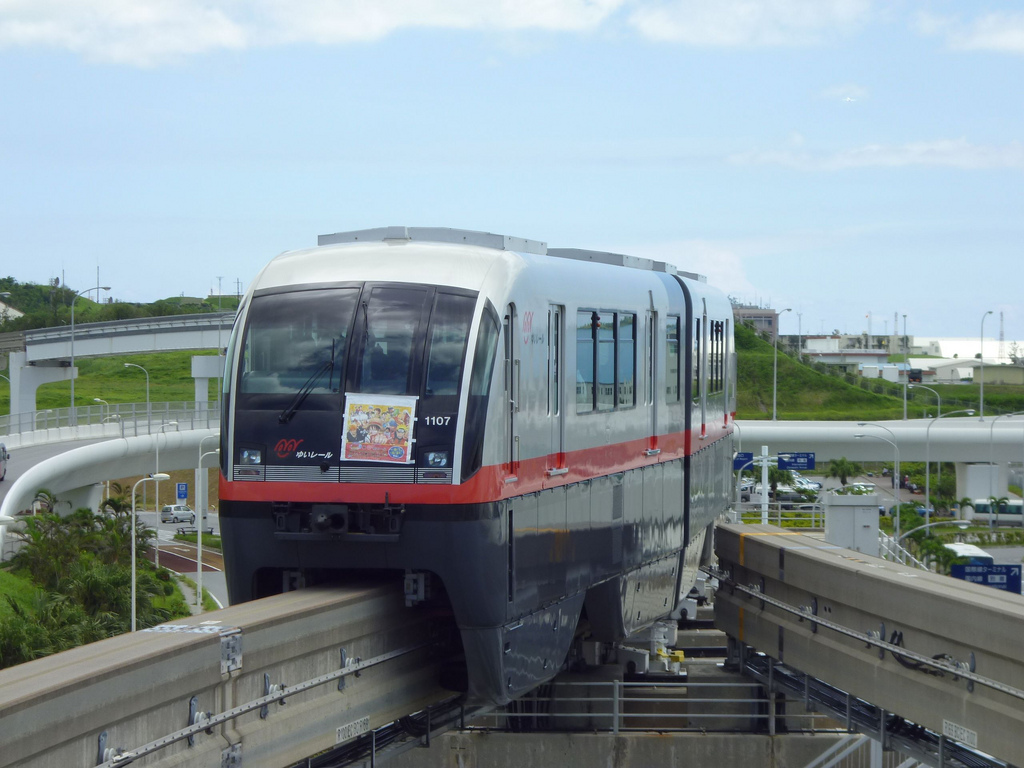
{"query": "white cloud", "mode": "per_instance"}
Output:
(748, 22)
(957, 153)
(148, 32)
(848, 93)
(139, 32)
(1000, 32)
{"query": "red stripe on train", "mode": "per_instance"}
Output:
(491, 483)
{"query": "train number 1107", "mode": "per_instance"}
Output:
(437, 421)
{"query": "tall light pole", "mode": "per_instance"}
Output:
(928, 459)
(775, 365)
(961, 524)
(160, 431)
(938, 399)
(74, 415)
(906, 367)
(896, 468)
(201, 508)
(981, 356)
(992, 463)
(158, 477)
(149, 416)
(799, 335)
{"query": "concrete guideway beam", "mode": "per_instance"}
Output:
(962, 673)
(950, 439)
(137, 689)
(81, 468)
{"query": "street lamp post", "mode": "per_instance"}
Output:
(938, 398)
(201, 508)
(775, 365)
(981, 356)
(149, 416)
(160, 431)
(896, 468)
(961, 524)
(992, 463)
(906, 367)
(928, 458)
(74, 415)
(157, 477)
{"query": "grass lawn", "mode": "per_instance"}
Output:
(19, 589)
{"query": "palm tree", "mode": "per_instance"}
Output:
(778, 477)
(966, 501)
(844, 469)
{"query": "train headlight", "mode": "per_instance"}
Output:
(251, 456)
(438, 458)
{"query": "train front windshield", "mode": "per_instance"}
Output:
(302, 351)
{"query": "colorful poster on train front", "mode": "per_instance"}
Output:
(378, 428)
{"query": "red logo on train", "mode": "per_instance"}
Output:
(286, 448)
(527, 326)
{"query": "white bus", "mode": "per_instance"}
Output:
(975, 555)
(1009, 512)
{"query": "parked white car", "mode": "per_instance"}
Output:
(177, 513)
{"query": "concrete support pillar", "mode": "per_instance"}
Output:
(204, 368)
(26, 379)
(981, 480)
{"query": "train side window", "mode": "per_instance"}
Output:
(605, 361)
(625, 365)
(672, 363)
(605, 384)
(585, 361)
(479, 389)
(449, 330)
(697, 361)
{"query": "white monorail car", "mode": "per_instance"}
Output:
(538, 440)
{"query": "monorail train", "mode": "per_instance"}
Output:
(539, 440)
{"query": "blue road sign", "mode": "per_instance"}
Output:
(742, 460)
(1006, 577)
(797, 461)
(182, 491)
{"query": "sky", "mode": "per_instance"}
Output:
(852, 160)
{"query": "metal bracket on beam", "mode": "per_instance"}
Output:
(346, 662)
(880, 637)
(195, 717)
(271, 689)
(231, 757)
(230, 651)
(105, 754)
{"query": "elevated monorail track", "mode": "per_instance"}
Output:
(941, 654)
(266, 683)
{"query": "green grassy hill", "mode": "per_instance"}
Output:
(816, 392)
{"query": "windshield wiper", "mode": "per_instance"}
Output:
(300, 397)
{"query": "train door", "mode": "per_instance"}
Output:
(556, 406)
(702, 341)
(512, 394)
(650, 372)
